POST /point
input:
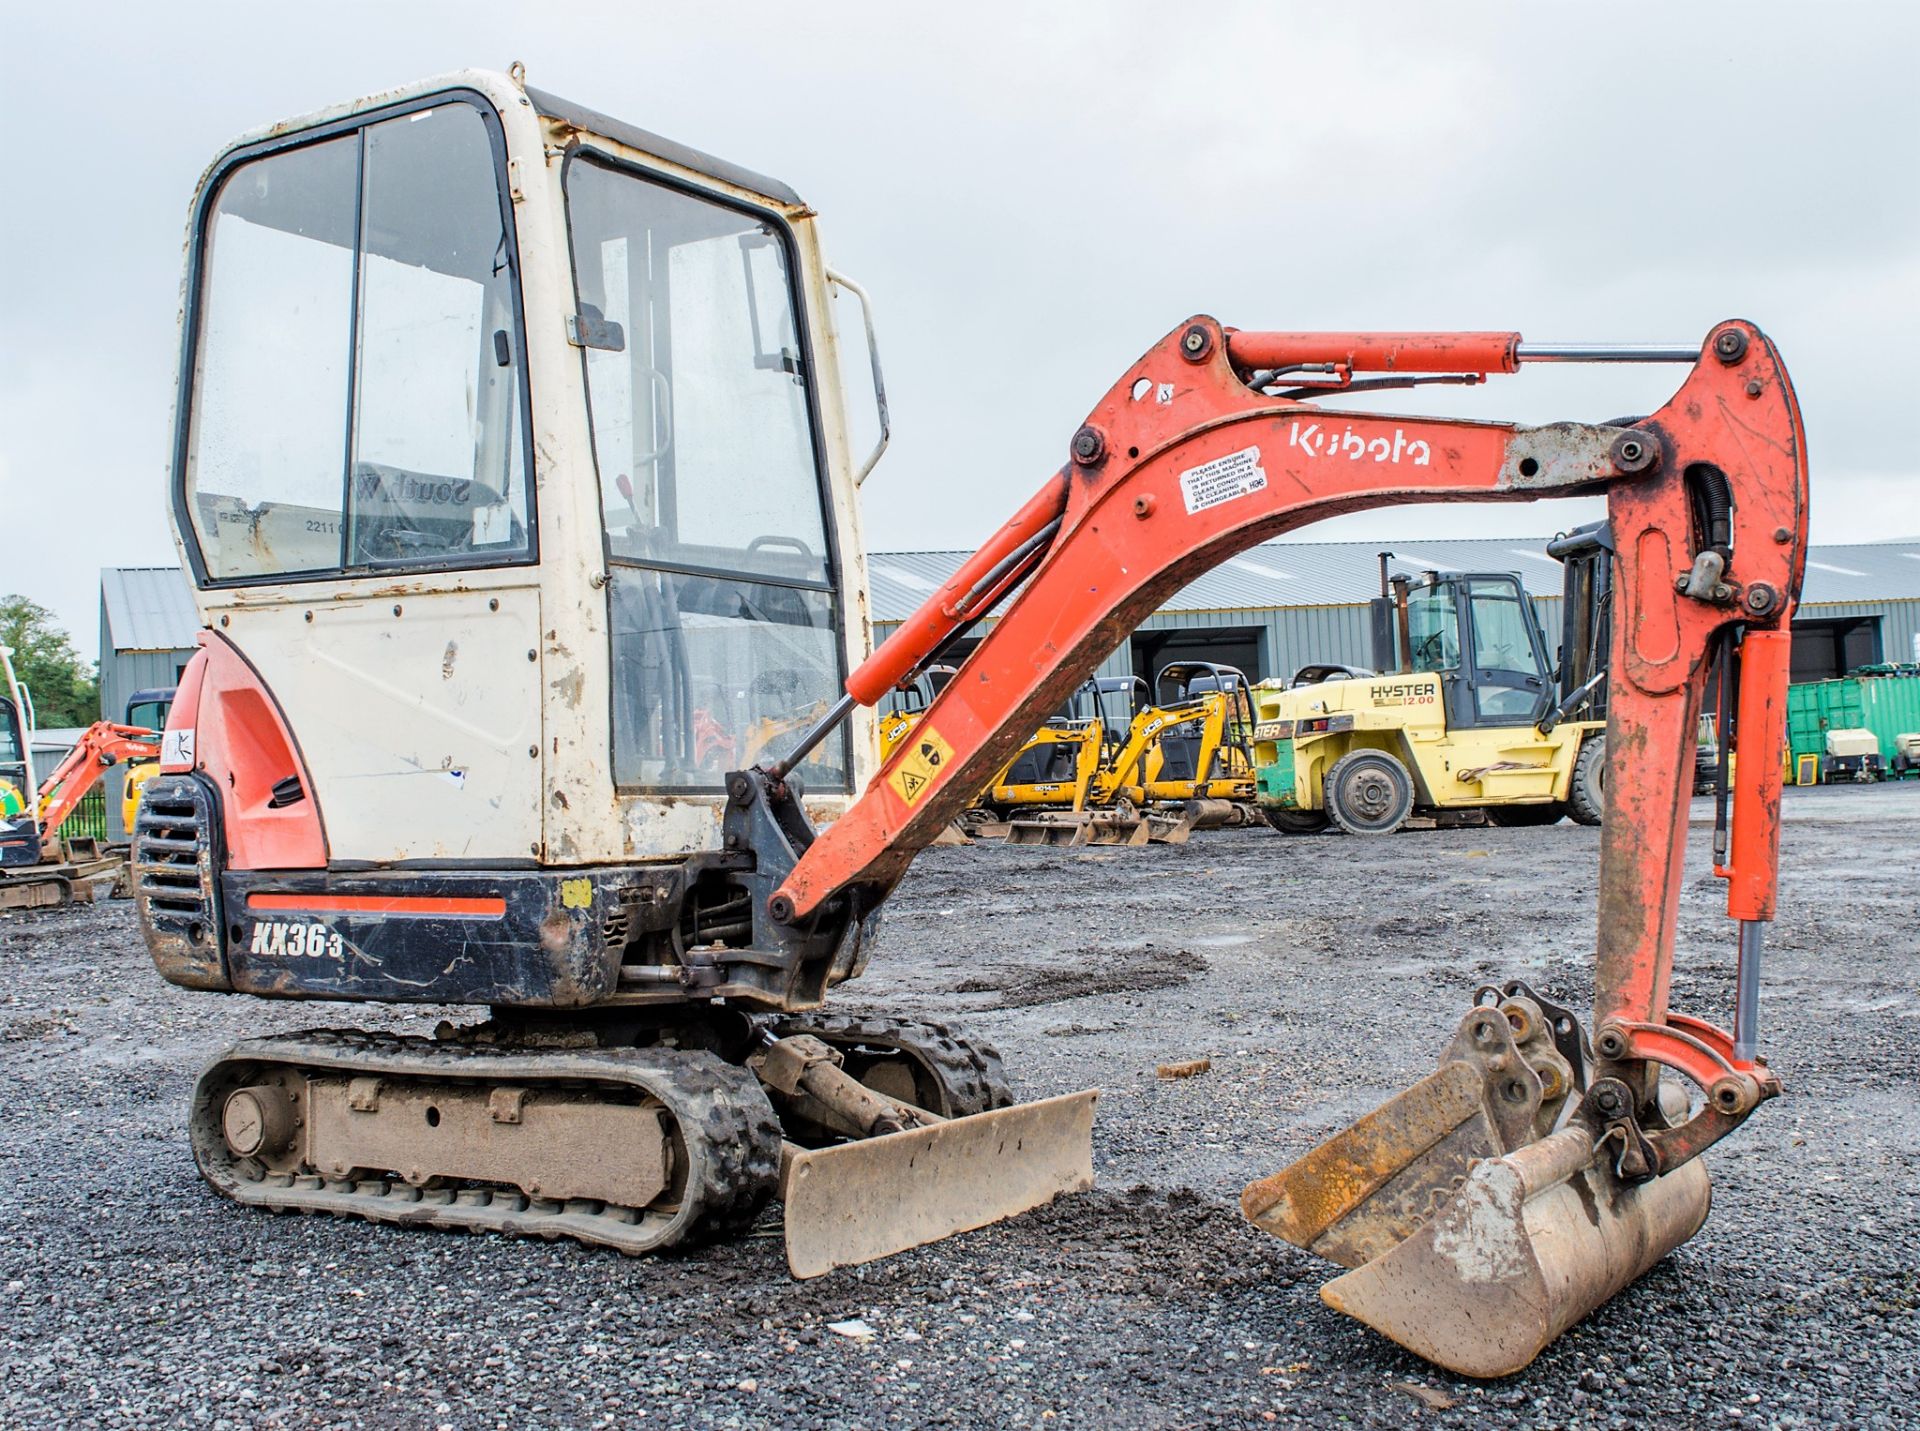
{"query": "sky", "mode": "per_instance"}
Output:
(1034, 195)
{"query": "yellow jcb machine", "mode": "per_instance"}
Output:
(1466, 711)
(1202, 756)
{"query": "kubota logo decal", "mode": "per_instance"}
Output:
(1355, 446)
(293, 939)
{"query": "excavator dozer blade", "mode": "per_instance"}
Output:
(1474, 1241)
(1105, 828)
(1168, 829)
(859, 1201)
(1065, 833)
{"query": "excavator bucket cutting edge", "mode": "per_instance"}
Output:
(864, 1200)
(1472, 1238)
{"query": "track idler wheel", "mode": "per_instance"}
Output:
(1476, 1230)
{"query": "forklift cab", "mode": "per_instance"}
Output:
(1479, 633)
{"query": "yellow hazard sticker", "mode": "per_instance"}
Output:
(576, 894)
(927, 755)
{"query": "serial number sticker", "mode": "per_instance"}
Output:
(1238, 474)
(926, 756)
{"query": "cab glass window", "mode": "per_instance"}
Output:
(725, 637)
(1433, 629)
(357, 394)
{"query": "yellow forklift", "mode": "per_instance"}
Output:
(1465, 711)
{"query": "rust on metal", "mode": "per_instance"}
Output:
(1189, 1068)
(1531, 1243)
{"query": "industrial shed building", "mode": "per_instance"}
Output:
(1269, 611)
(1283, 605)
(147, 630)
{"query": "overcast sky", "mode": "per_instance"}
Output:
(1035, 194)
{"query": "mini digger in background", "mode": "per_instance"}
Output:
(512, 474)
(1464, 711)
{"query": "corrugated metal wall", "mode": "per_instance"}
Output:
(121, 674)
(1295, 636)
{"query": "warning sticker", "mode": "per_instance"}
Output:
(1238, 474)
(927, 755)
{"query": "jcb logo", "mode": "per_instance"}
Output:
(286, 939)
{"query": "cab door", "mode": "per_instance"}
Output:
(1503, 655)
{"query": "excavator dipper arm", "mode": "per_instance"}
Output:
(1564, 1170)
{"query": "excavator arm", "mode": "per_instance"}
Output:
(1210, 444)
(1185, 463)
(101, 746)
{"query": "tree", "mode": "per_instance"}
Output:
(65, 690)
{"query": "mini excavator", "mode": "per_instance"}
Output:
(512, 473)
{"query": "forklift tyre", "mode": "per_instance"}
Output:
(1587, 799)
(1369, 792)
(1295, 822)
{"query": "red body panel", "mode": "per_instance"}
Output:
(242, 743)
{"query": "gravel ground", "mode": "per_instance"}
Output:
(1319, 975)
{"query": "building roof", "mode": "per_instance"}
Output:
(148, 608)
(1343, 573)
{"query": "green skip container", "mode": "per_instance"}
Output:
(1888, 705)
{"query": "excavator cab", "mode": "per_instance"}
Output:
(19, 832)
(512, 474)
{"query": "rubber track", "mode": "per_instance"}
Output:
(968, 1068)
(726, 1124)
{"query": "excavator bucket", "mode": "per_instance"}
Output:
(1475, 1235)
(867, 1199)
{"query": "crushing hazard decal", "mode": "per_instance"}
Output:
(926, 756)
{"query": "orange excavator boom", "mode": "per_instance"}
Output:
(1209, 444)
(101, 746)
